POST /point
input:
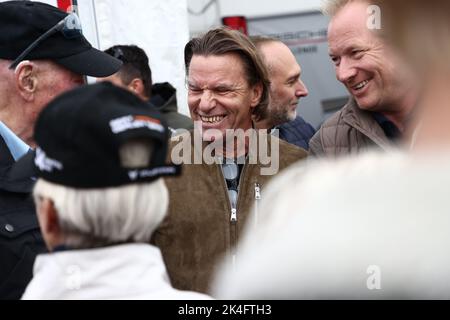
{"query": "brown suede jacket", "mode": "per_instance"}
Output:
(198, 230)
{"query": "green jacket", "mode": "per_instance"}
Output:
(164, 98)
(199, 230)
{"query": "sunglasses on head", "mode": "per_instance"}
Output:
(118, 54)
(70, 27)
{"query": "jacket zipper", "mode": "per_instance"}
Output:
(257, 199)
(233, 215)
(257, 191)
(234, 221)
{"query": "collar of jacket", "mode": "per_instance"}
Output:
(17, 176)
(364, 122)
(131, 271)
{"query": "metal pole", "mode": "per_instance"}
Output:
(75, 7)
(96, 24)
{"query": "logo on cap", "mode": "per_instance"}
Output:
(150, 173)
(133, 175)
(135, 122)
(44, 163)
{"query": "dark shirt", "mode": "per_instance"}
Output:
(390, 129)
(297, 132)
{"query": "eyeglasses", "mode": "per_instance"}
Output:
(70, 27)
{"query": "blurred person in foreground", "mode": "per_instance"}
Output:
(42, 54)
(381, 231)
(100, 158)
(286, 90)
(383, 94)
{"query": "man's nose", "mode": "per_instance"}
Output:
(345, 71)
(301, 90)
(207, 101)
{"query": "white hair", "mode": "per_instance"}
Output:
(332, 7)
(91, 218)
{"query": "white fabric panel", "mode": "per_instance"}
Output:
(160, 27)
(88, 21)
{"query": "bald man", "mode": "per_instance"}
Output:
(286, 90)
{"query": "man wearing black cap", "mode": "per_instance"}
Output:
(100, 196)
(42, 54)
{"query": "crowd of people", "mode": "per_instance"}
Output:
(107, 192)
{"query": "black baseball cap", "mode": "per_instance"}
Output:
(80, 133)
(23, 22)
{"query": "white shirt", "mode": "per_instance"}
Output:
(16, 146)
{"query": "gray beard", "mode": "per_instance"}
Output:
(278, 117)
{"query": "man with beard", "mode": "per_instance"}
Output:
(286, 89)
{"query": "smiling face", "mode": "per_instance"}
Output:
(362, 62)
(219, 95)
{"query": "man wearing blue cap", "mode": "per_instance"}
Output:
(42, 54)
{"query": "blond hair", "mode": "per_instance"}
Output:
(331, 7)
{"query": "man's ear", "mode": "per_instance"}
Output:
(137, 86)
(26, 80)
(49, 223)
(256, 94)
(52, 216)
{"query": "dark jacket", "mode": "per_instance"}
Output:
(164, 98)
(349, 131)
(297, 132)
(199, 229)
(20, 237)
